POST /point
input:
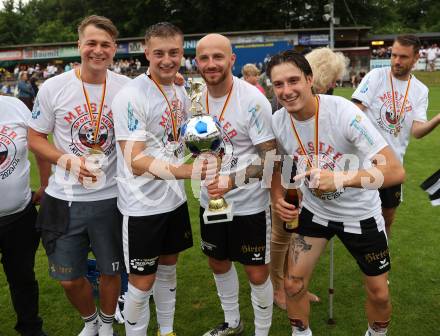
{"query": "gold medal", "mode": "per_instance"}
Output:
(310, 164)
(95, 148)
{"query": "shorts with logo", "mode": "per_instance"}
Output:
(93, 226)
(245, 239)
(369, 248)
(391, 197)
(145, 238)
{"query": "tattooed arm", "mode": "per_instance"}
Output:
(223, 183)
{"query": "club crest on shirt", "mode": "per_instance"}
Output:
(8, 152)
(388, 120)
(82, 131)
(326, 162)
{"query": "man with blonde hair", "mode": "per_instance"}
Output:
(79, 211)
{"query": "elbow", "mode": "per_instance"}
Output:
(417, 135)
(136, 171)
(401, 174)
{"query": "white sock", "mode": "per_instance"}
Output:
(164, 294)
(136, 311)
(106, 324)
(262, 302)
(381, 332)
(297, 332)
(91, 325)
(227, 290)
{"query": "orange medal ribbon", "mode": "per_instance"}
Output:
(172, 112)
(220, 119)
(93, 121)
(402, 109)
(301, 144)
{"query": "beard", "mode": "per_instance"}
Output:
(400, 71)
(215, 81)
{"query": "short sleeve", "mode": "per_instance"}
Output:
(260, 120)
(43, 114)
(421, 107)
(128, 116)
(359, 131)
(365, 92)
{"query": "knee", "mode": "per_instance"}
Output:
(168, 260)
(257, 275)
(72, 285)
(219, 266)
(107, 279)
(142, 282)
(294, 286)
(379, 295)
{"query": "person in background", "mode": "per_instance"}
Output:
(25, 91)
(396, 102)
(251, 75)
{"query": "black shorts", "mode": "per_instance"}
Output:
(370, 248)
(245, 239)
(391, 196)
(146, 238)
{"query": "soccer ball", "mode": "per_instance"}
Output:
(202, 134)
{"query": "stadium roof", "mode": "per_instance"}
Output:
(189, 36)
(390, 37)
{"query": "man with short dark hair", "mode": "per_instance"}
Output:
(149, 112)
(79, 211)
(323, 135)
(396, 102)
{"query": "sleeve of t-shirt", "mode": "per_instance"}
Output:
(259, 114)
(421, 107)
(359, 131)
(275, 130)
(43, 115)
(128, 116)
(365, 92)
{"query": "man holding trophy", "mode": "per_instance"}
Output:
(244, 116)
(149, 112)
(79, 211)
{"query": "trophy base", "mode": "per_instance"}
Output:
(218, 216)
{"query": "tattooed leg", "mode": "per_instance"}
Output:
(298, 246)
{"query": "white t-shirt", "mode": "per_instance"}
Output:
(375, 94)
(14, 163)
(142, 114)
(246, 123)
(431, 54)
(61, 109)
(343, 130)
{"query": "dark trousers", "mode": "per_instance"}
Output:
(18, 244)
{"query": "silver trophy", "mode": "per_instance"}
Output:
(202, 135)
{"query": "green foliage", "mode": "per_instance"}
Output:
(56, 20)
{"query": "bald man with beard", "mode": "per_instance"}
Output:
(244, 115)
